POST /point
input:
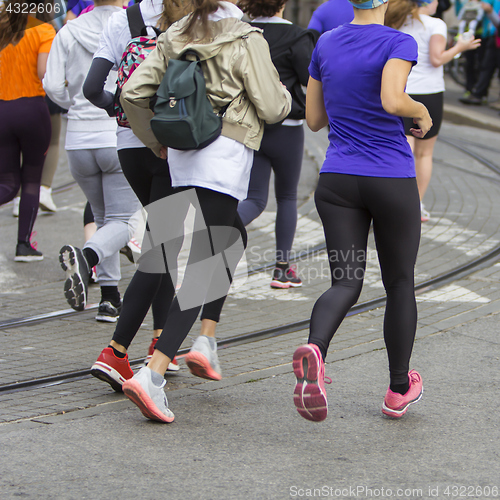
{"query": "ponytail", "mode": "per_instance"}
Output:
(398, 11)
(201, 10)
(173, 10)
(13, 24)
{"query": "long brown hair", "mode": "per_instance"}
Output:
(258, 8)
(199, 17)
(13, 25)
(398, 11)
(173, 10)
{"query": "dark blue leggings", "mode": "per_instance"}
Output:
(347, 205)
(281, 150)
(25, 132)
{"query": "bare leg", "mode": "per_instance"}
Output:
(159, 362)
(118, 347)
(423, 151)
(208, 327)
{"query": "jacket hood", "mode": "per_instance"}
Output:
(220, 33)
(87, 29)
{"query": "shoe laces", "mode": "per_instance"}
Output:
(414, 378)
(34, 244)
(322, 375)
(292, 270)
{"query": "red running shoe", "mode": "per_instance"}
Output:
(309, 396)
(112, 369)
(173, 366)
(395, 404)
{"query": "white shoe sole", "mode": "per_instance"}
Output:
(28, 258)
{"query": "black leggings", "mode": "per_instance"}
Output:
(347, 205)
(217, 210)
(25, 132)
(281, 150)
(149, 177)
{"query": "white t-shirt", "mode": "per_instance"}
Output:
(114, 39)
(90, 140)
(424, 77)
(223, 166)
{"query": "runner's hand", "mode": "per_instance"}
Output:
(425, 124)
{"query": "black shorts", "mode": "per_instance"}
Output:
(434, 104)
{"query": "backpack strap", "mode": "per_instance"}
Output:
(135, 20)
(193, 54)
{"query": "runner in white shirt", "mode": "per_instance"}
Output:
(148, 176)
(426, 81)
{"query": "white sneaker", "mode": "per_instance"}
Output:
(15, 206)
(202, 361)
(424, 214)
(151, 399)
(46, 202)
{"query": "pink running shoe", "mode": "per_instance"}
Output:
(309, 396)
(395, 404)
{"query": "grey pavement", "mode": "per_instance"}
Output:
(241, 437)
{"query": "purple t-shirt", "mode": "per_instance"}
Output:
(364, 138)
(331, 14)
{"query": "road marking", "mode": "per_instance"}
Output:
(452, 293)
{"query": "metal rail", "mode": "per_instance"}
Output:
(457, 273)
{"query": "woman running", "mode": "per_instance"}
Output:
(368, 177)
(149, 177)
(25, 136)
(282, 146)
(426, 80)
(239, 75)
(93, 161)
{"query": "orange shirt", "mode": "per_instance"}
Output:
(18, 63)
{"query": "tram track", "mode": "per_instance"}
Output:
(443, 279)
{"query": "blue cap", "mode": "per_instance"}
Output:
(369, 4)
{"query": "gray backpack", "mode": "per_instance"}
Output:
(184, 118)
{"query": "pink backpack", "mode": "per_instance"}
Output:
(139, 47)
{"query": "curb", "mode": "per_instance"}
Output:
(471, 118)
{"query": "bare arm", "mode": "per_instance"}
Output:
(316, 116)
(41, 64)
(397, 102)
(439, 55)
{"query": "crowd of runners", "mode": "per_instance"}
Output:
(370, 71)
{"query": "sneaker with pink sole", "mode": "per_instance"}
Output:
(395, 404)
(202, 360)
(150, 398)
(309, 396)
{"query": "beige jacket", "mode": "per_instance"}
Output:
(238, 70)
